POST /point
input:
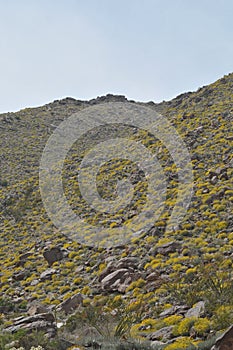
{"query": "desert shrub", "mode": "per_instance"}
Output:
(185, 325)
(36, 339)
(6, 304)
(201, 326)
(181, 343)
(223, 317)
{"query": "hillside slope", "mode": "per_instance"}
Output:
(152, 282)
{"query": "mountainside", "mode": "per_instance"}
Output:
(172, 289)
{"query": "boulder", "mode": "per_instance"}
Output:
(52, 255)
(168, 248)
(71, 303)
(40, 322)
(174, 310)
(164, 333)
(156, 343)
(197, 310)
(23, 258)
(35, 309)
(123, 263)
(19, 276)
(47, 274)
(117, 280)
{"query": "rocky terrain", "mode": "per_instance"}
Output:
(160, 291)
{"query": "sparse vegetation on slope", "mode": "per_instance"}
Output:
(174, 289)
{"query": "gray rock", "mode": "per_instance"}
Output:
(34, 282)
(71, 303)
(37, 308)
(177, 309)
(19, 276)
(79, 269)
(168, 312)
(152, 276)
(41, 322)
(156, 343)
(117, 280)
(123, 286)
(47, 274)
(23, 258)
(168, 248)
(124, 263)
(164, 333)
(196, 311)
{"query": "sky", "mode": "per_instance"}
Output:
(147, 50)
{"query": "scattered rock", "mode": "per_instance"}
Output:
(118, 280)
(34, 282)
(79, 269)
(156, 343)
(108, 98)
(40, 322)
(19, 276)
(168, 248)
(218, 174)
(124, 263)
(197, 310)
(152, 277)
(93, 344)
(47, 274)
(23, 258)
(36, 309)
(71, 303)
(164, 333)
(52, 255)
(118, 275)
(175, 309)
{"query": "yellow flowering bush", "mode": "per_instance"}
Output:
(184, 326)
(201, 326)
(181, 343)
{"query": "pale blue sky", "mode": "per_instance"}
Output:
(144, 49)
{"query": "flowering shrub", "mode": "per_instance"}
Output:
(202, 326)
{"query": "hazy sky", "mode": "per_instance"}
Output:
(144, 49)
